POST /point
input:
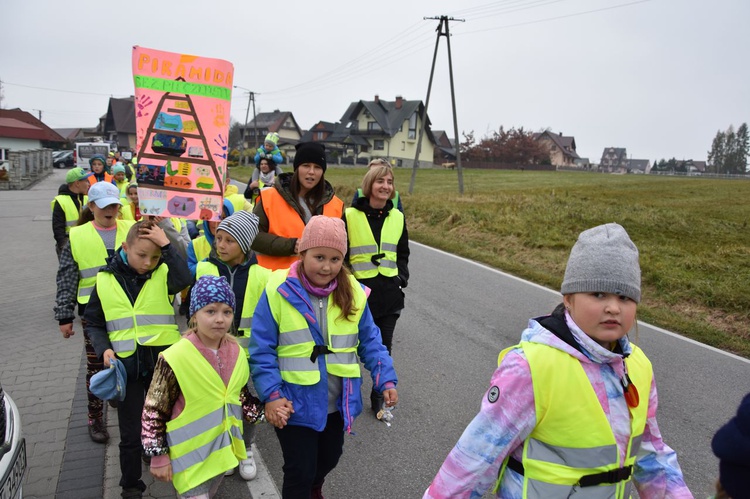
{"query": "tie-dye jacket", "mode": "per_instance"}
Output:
(500, 428)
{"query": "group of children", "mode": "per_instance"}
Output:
(570, 412)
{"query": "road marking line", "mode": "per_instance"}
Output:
(556, 293)
(262, 486)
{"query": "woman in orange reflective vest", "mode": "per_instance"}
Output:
(295, 198)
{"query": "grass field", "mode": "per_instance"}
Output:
(692, 234)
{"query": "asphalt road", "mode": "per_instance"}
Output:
(459, 315)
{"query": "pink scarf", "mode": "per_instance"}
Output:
(310, 287)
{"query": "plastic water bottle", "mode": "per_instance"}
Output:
(385, 414)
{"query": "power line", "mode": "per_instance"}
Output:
(57, 89)
(555, 18)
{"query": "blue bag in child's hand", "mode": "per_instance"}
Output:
(109, 384)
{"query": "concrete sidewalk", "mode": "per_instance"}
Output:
(45, 373)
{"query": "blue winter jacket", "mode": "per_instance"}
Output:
(311, 402)
(275, 155)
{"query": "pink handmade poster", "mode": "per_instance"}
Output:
(182, 105)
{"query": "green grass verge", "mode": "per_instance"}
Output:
(692, 234)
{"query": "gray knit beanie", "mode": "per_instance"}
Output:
(604, 259)
(243, 226)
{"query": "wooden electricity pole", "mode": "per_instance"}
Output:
(442, 30)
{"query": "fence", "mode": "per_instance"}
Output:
(23, 168)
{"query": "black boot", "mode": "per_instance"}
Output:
(376, 401)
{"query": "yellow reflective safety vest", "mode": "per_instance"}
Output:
(72, 213)
(362, 245)
(201, 247)
(89, 252)
(257, 277)
(149, 321)
(573, 437)
(296, 341)
(205, 440)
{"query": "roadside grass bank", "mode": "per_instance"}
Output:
(692, 234)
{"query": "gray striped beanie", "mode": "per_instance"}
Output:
(243, 226)
(604, 259)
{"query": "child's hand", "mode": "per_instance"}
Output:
(155, 234)
(108, 356)
(163, 473)
(390, 397)
(67, 330)
(272, 412)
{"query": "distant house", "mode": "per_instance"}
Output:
(445, 148)
(639, 166)
(319, 132)
(614, 159)
(118, 125)
(380, 128)
(583, 163)
(281, 122)
(562, 149)
(21, 131)
(696, 166)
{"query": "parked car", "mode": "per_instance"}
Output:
(12, 449)
(63, 160)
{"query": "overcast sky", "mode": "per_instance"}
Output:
(658, 77)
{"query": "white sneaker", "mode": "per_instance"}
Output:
(229, 472)
(248, 470)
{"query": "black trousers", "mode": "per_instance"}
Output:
(309, 455)
(387, 325)
(140, 370)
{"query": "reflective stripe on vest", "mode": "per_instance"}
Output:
(69, 208)
(205, 440)
(558, 453)
(296, 341)
(362, 244)
(149, 321)
(257, 277)
(87, 248)
(284, 221)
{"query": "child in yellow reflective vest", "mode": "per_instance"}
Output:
(129, 316)
(199, 397)
(232, 258)
(311, 329)
(571, 409)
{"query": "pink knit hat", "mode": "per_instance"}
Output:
(326, 232)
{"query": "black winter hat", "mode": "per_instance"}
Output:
(310, 152)
(731, 444)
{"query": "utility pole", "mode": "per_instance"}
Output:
(443, 24)
(250, 99)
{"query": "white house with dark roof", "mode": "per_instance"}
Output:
(370, 129)
(614, 159)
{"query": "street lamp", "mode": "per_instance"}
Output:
(250, 98)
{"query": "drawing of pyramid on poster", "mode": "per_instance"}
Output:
(181, 130)
(171, 154)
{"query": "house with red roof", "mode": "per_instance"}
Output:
(21, 131)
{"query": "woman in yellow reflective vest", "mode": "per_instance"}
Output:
(571, 410)
(192, 418)
(310, 330)
(379, 252)
(130, 316)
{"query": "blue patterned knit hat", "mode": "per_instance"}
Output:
(211, 289)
